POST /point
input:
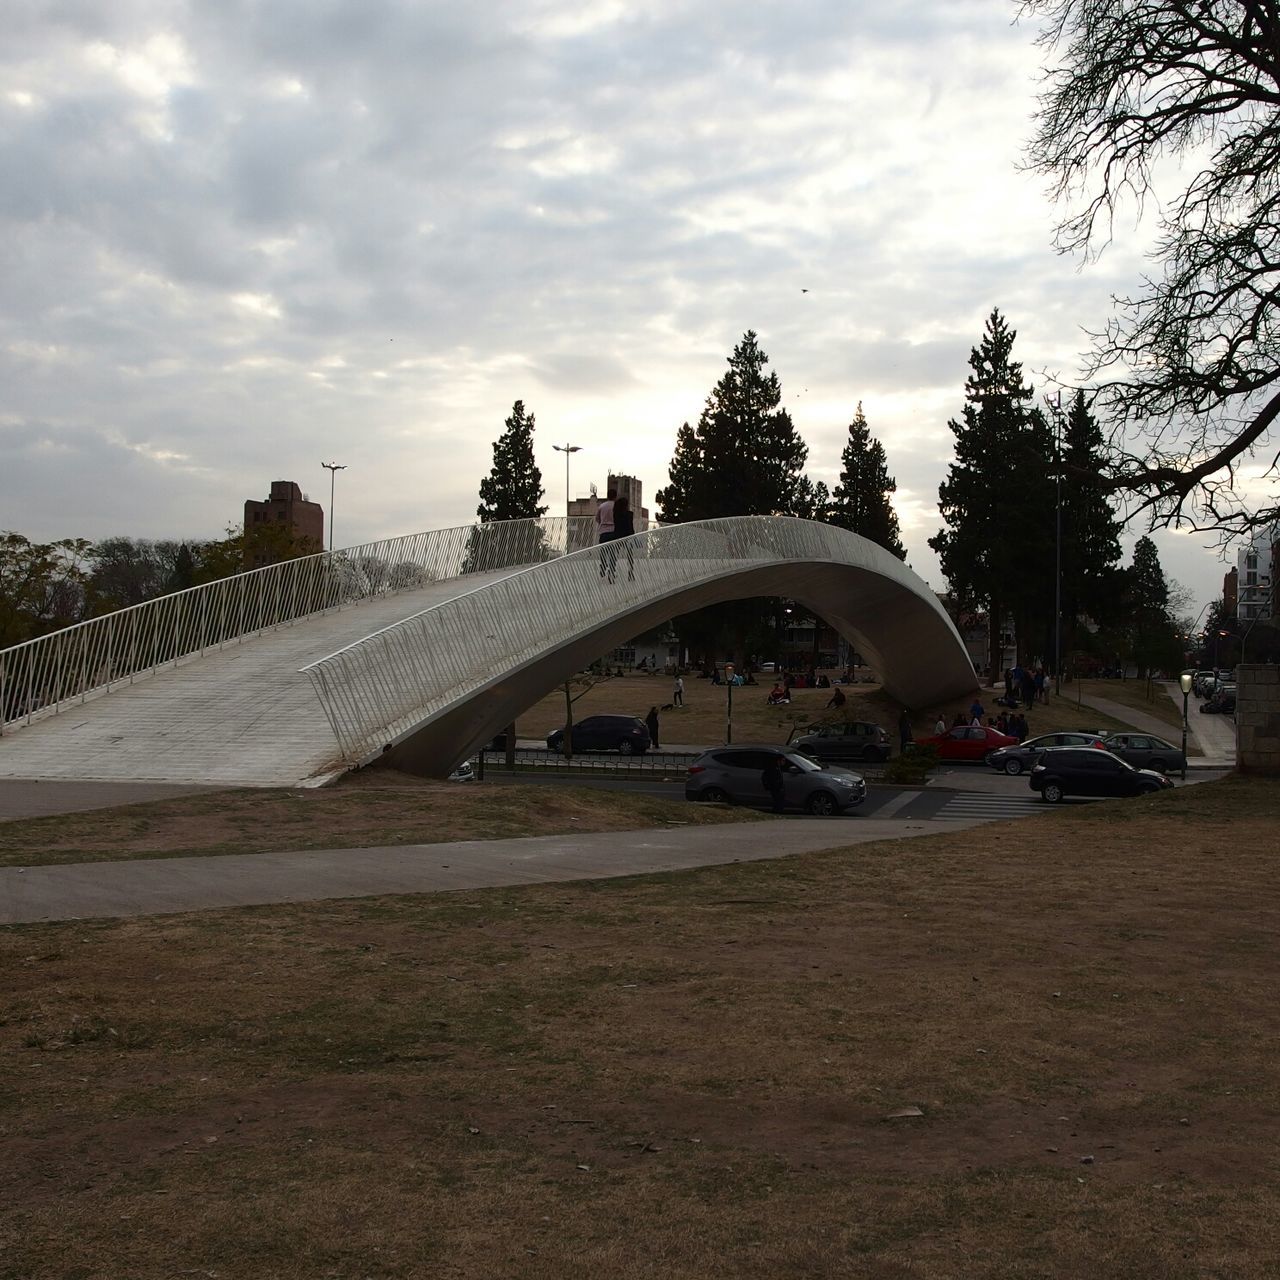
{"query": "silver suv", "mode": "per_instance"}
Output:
(733, 775)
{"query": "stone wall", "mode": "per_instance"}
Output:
(1258, 719)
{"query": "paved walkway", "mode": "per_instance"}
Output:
(159, 886)
(1214, 736)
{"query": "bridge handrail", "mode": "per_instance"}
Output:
(45, 675)
(380, 687)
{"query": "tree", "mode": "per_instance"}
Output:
(812, 501)
(1154, 642)
(127, 571)
(1188, 364)
(997, 500)
(42, 586)
(513, 488)
(861, 502)
(1091, 581)
(745, 457)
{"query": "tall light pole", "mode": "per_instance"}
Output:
(1057, 551)
(332, 468)
(1184, 683)
(728, 704)
(566, 449)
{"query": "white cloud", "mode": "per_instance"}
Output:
(239, 238)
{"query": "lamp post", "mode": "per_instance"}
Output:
(728, 704)
(1184, 682)
(332, 468)
(566, 449)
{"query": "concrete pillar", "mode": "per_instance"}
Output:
(1258, 719)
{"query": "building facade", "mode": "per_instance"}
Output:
(1255, 576)
(284, 509)
(620, 485)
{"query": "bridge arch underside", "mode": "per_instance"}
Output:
(906, 636)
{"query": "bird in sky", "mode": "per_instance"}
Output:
(804, 290)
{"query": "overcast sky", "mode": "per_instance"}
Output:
(240, 238)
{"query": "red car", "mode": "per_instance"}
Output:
(966, 742)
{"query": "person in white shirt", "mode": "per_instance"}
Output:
(604, 518)
(677, 698)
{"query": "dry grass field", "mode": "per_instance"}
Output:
(702, 719)
(368, 809)
(694, 1075)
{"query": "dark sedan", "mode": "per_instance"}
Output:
(626, 734)
(1146, 752)
(1086, 771)
(854, 740)
(1019, 759)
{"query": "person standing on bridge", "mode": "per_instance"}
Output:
(604, 525)
(624, 525)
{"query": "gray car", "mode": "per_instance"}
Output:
(849, 740)
(1019, 759)
(732, 775)
(1144, 751)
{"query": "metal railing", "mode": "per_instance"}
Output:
(378, 689)
(45, 675)
(542, 760)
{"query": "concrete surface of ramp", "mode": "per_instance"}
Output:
(162, 886)
(238, 716)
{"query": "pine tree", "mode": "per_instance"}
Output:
(1153, 641)
(812, 501)
(997, 500)
(1090, 528)
(513, 488)
(861, 502)
(745, 456)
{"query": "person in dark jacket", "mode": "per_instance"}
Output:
(905, 732)
(624, 525)
(651, 723)
(773, 784)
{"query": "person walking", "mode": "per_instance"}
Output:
(677, 694)
(773, 784)
(604, 527)
(905, 734)
(651, 723)
(624, 525)
(940, 725)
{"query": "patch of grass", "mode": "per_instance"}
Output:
(690, 1074)
(374, 808)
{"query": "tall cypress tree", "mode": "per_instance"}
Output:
(1090, 528)
(745, 456)
(513, 488)
(997, 501)
(861, 502)
(1153, 642)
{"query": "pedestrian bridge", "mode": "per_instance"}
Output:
(419, 649)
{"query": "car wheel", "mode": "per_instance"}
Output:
(1157, 764)
(1052, 792)
(986, 759)
(714, 795)
(821, 803)
(626, 747)
(1013, 767)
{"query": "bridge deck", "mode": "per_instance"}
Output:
(240, 716)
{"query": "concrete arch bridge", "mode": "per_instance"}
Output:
(427, 645)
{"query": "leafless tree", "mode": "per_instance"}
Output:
(1187, 366)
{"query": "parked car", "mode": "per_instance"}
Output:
(1086, 771)
(1201, 682)
(626, 734)
(1020, 757)
(853, 740)
(463, 773)
(1224, 702)
(968, 742)
(733, 775)
(1144, 751)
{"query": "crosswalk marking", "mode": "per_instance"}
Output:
(977, 804)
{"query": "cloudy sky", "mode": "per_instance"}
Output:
(239, 238)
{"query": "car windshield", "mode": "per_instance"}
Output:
(804, 763)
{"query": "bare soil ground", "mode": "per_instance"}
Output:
(695, 1075)
(702, 719)
(372, 808)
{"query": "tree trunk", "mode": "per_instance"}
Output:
(995, 646)
(567, 745)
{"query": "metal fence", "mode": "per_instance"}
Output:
(541, 760)
(45, 675)
(381, 687)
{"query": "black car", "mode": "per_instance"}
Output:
(1144, 751)
(1086, 771)
(853, 740)
(1223, 701)
(626, 734)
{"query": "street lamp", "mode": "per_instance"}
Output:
(566, 449)
(728, 704)
(332, 468)
(1184, 681)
